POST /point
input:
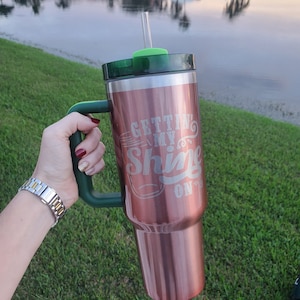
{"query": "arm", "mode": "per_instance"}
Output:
(25, 221)
(23, 225)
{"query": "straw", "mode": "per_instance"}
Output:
(148, 50)
(146, 30)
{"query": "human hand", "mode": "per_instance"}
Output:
(54, 166)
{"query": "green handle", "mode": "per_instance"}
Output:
(85, 184)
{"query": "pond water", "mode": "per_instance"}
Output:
(247, 51)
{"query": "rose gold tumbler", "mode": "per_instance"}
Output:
(155, 120)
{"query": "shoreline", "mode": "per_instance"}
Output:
(279, 111)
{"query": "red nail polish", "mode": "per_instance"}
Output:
(96, 121)
(80, 153)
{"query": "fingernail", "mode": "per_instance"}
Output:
(80, 153)
(89, 171)
(96, 121)
(83, 166)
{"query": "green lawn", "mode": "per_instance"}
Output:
(251, 225)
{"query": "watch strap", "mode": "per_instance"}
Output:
(47, 195)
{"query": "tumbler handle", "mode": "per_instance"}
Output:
(85, 184)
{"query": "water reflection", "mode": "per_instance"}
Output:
(178, 12)
(63, 4)
(134, 6)
(235, 7)
(5, 10)
(175, 9)
(35, 4)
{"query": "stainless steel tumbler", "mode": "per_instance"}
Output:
(154, 107)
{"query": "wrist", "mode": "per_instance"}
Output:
(34, 211)
(64, 184)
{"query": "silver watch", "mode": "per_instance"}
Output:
(47, 195)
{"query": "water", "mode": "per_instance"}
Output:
(249, 59)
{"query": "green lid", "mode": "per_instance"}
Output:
(145, 62)
(149, 51)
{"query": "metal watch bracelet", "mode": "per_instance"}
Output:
(47, 195)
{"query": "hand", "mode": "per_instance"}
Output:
(54, 166)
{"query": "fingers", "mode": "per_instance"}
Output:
(93, 162)
(90, 168)
(73, 122)
(90, 152)
(90, 142)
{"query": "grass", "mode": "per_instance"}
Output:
(251, 226)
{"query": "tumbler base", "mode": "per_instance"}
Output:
(172, 263)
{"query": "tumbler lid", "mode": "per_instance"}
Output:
(144, 64)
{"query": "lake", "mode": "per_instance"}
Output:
(247, 51)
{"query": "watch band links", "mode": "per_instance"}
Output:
(47, 195)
